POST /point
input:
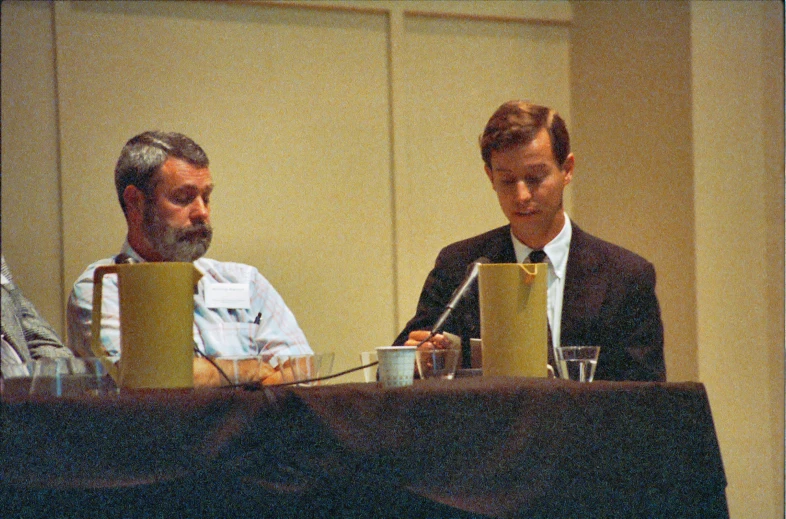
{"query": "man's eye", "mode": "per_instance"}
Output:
(182, 199)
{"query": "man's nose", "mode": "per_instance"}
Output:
(200, 210)
(523, 193)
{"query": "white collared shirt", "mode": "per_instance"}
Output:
(557, 259)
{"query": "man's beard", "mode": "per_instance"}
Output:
(186, 244)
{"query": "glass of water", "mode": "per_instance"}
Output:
(66, 377)
(577, 362)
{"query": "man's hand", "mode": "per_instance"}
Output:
(239, 371)
(438, 342)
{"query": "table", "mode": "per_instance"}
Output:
(473, 447)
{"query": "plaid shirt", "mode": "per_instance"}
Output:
(217, 331)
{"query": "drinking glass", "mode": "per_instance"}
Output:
(70, 377)
(297, 368)
(437, 363)
(577, 362)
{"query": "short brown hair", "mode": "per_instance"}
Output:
(518, 122)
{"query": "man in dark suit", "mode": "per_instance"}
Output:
(598, 293)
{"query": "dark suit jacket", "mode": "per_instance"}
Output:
(609, 301)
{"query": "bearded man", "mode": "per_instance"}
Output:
(164, 185)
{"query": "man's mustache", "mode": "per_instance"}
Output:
(196, 231)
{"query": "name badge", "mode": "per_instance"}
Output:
(227, 295)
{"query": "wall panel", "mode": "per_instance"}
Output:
(454, 73)
(31, 233)
(739, 239)
(342, 135)
(291, 106)
(630, 87)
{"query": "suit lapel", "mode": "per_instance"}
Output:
(500, 247)
(585, 286)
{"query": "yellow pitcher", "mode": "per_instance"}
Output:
(156, 323)
(513, 322)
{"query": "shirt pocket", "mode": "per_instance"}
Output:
(230, 339)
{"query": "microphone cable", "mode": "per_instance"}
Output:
(458, 294)
(253, 386)
(259, 385)
(211, 361)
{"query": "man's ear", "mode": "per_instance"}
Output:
(489, 174)
(134, 199)
(567, 169)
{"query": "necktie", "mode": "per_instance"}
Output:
(537, 256)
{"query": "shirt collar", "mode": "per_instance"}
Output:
(131, 253)
(556, 250)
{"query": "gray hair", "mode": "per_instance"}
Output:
(143, 156)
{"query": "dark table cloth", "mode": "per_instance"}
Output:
(473, 447)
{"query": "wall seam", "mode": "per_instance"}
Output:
(59, 168)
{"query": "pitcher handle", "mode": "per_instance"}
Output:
(95, 338)
(529, 272)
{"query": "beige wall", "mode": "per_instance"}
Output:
(347, 233)
(441, 191)
(342, 139)
(678, 130)
(630, 81)
(296, 144)
(31, 222)
(739, 175)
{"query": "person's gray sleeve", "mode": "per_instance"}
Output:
(42, 340)
(40, 337)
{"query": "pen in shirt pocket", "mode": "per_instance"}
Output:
(258, 318)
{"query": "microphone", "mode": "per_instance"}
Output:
(472, 274)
